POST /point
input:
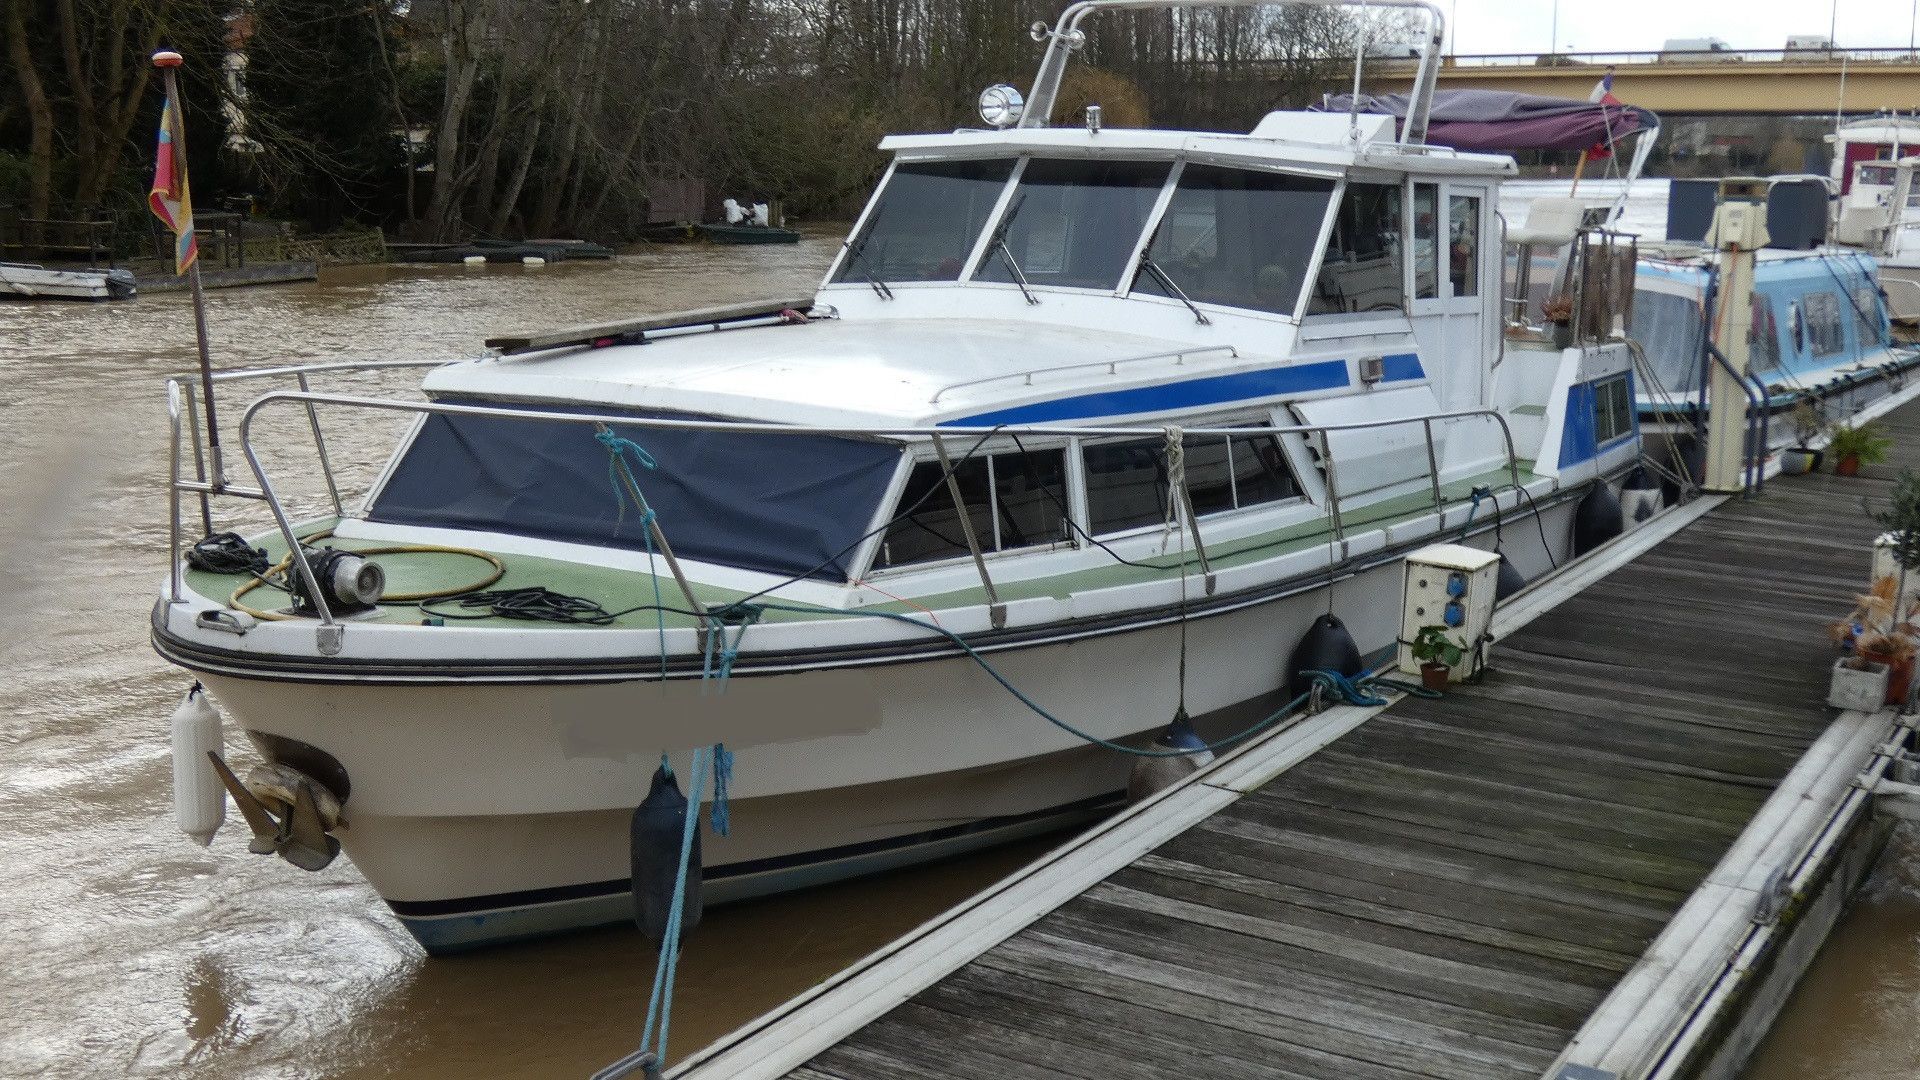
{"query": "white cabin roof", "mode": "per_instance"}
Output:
(1310, 142)
(895, 372)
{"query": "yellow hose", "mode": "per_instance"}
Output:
(285, 565)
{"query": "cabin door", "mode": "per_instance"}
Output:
(1450, 291)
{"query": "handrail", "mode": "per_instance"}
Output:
(1066, 36)
(1177, 355)
(330, 632)
(1751, 454)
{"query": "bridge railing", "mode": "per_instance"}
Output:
(1889, 54)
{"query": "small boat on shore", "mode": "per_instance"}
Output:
(27, 281)
(748, 234)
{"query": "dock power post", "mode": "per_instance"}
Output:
(1739, 231)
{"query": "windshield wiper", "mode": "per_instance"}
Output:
(999, 244)
(856, 254)
(1147, 264)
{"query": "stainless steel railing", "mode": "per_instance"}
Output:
(330, 632)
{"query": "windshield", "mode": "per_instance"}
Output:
(926, 221)
(1073, 224)
(1238, 238)
(782, 504)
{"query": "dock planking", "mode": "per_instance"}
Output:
(1452, 888)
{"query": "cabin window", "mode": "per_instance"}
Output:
(1668, 326)
(1867, 317)
(1073, 224)
(1612, 410)
(1014, 500)
(926, 221)
(1463, 244)
(1763, 340)
(1127, 483)
(1426, 241)
(1236, 238)
(1362, 270)
(780, 504)
(1826, 335)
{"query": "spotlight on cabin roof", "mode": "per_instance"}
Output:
(1001, 106)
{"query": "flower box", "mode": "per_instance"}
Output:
(1862, 688)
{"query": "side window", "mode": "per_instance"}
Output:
(1763, 342)
(1866, 313)
(1127, 481)
(1362, 270)
(1126, 485)
(1014, 500)
(1463, 245)
(1426, 241)
(1826, 335)
(1612, 409)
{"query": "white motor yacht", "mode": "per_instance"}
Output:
(1110, 418)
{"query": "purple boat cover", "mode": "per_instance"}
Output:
(1500, 121)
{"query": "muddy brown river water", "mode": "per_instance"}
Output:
(126, 950)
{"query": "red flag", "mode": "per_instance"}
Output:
(169, 198)
(1603, 96)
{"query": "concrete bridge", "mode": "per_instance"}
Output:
(1779, 82)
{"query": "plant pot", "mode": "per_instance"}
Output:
(1435, 676)
(1847, 466)
(1798, 461)
(1563, 335)
(1899, 676)
(1862, 688)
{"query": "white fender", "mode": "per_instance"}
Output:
(199, 800)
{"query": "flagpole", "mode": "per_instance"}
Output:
(167, 60)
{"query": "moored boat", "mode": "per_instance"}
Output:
(1083, 428)
(27, 281)
(748, 234)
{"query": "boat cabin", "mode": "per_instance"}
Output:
(1291, 276)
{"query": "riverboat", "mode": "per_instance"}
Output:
(1084, 429)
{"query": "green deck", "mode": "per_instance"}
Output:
(617, 590)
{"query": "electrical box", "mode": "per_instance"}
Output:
(1454, 586)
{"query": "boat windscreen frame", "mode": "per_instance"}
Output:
(878, 197)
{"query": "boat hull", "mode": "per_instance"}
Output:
(487, 812)
(18, 282)
(748, 234)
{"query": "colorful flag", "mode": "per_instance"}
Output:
(169, 198)
(1602, 96)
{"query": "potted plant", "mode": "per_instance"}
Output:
(1438, 655)
(1558, 311)
(1853, 447)
(1892, 650)
(1809, 423)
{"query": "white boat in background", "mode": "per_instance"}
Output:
(1122, 415)
(26, 281)
(1877, 204)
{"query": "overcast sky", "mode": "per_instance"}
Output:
(1508, 26)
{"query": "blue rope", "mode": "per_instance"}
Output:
(1329, 681)
(717, 664)
(618, 450)
(660, 1002)
(722, 784)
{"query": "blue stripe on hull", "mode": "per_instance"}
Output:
(1193, 393)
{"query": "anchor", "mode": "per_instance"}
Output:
(299, 835)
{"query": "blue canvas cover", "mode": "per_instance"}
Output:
(783, 504)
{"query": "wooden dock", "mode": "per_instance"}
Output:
(1594, 864)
